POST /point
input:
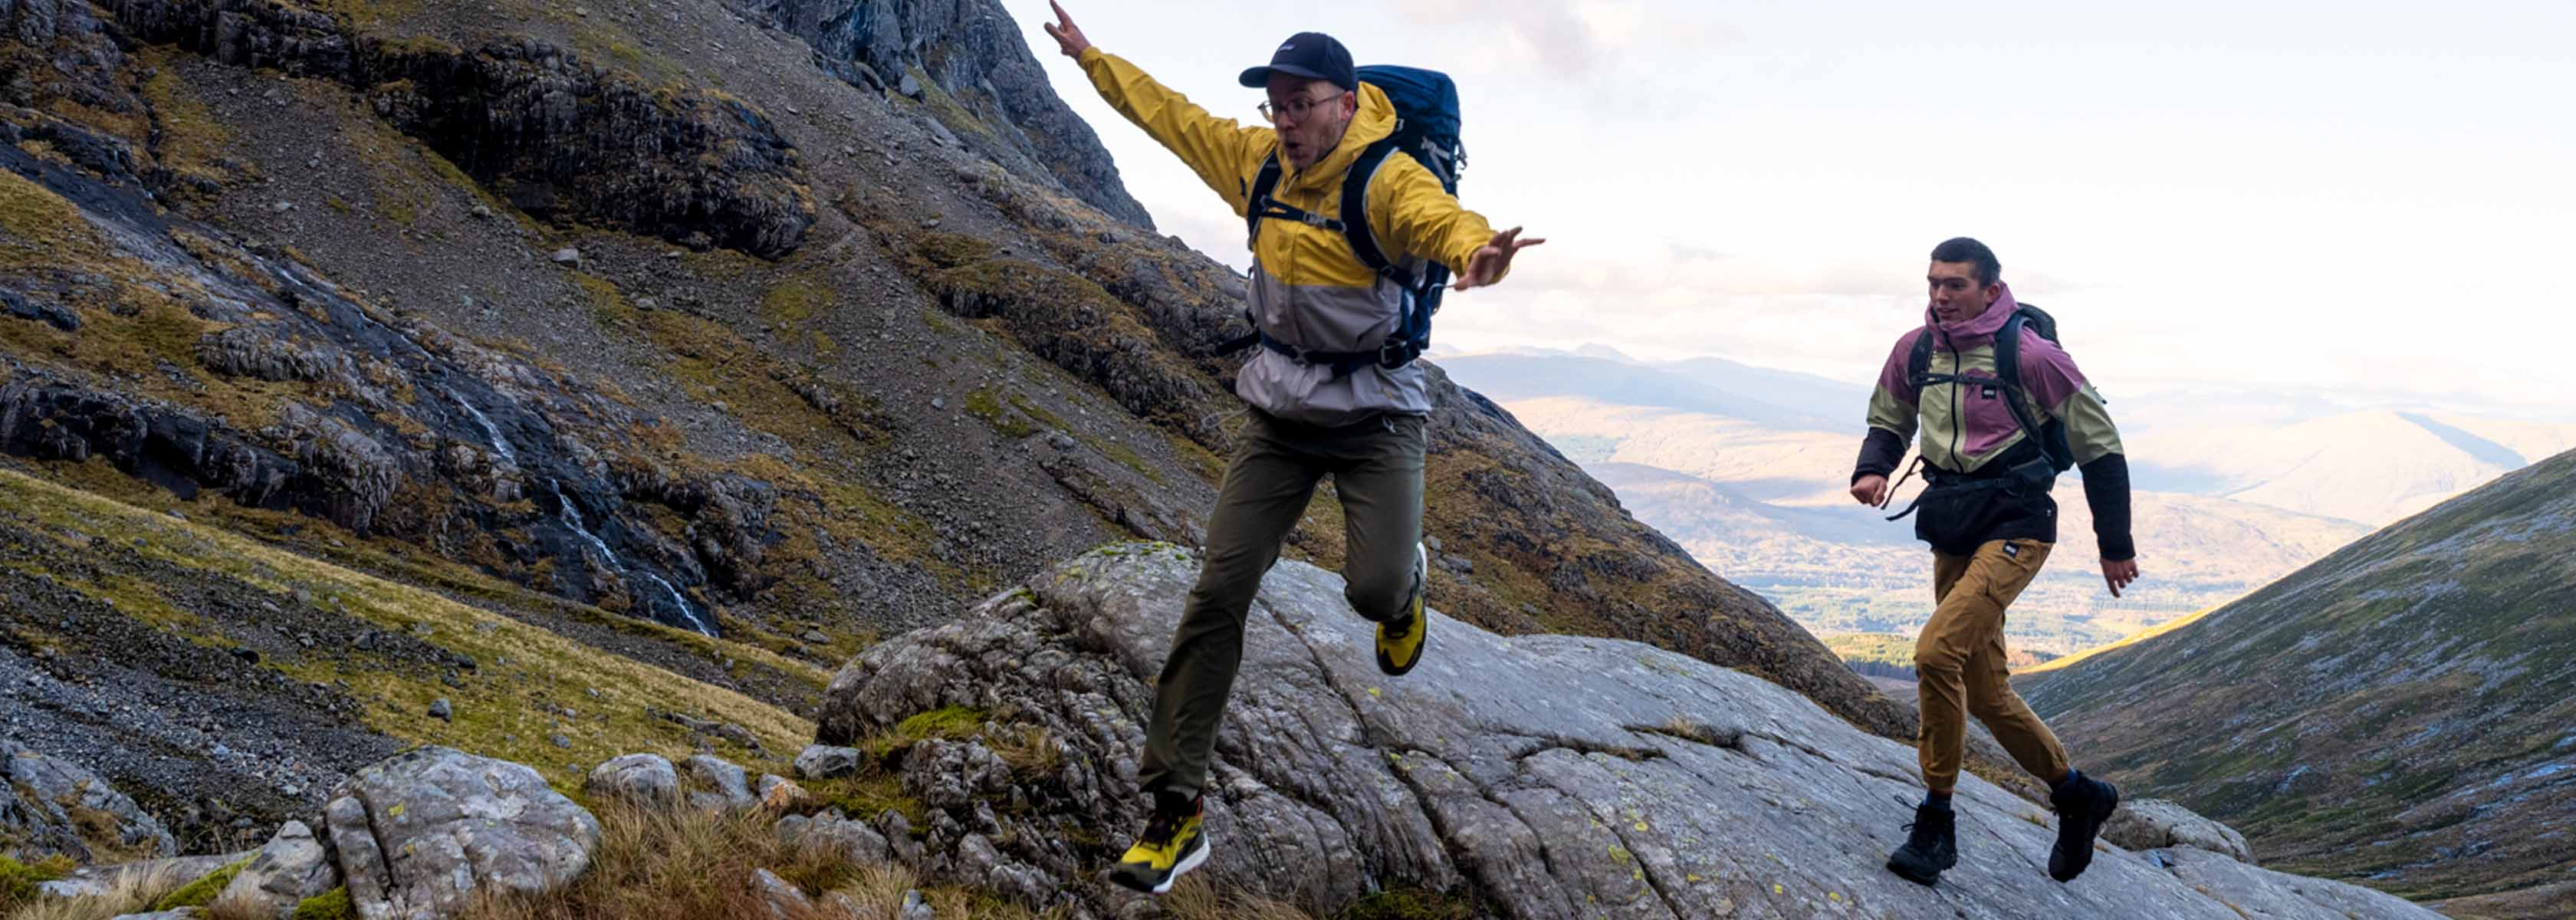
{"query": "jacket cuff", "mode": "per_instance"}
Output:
(2106, 491)
(1879, 454)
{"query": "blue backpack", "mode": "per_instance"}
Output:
(1426, 129)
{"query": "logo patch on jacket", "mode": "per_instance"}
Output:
(2012, 551)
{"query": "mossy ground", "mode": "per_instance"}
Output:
(510, 707)
(18, 880)
(201, 892)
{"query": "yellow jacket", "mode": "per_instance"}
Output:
(1308, 289)
(1409, 211)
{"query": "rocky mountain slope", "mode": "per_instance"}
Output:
(986, 767)
(2398, 712)
(1537, 776)
(656, 337)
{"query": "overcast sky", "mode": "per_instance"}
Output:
(2351, 195)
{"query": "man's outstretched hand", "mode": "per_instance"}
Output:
(2119, 574)
(1067, 35)
(1489, 263)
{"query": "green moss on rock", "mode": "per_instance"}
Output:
(201, 892)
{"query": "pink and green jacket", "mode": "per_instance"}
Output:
(1964, 428)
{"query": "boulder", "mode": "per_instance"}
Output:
(54, 806)
(2154, 824)
(785, 901)
(419, 835)
(291, 868)
(824, 761)
(716, 784)
(643, 780)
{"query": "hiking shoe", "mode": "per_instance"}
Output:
(1400, 640)
(1171, 845)
(1931, 849)
(2081, 808)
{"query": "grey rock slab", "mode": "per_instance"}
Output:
(418, 835)
(2153, 824)
(717, 784)
(645, 780)
(292, 867)
(778, 793)
(824, 761)
(1550, 776)
(2253, 891)
(784, 900)
(854, 840)
(40, 809)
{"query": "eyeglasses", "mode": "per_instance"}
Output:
(1296, 109)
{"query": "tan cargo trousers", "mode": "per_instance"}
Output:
(1959, 664)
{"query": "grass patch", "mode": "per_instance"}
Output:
(18, 880)
(329, 905)
(201, 892)
(1410, 904)
(35, 224)
(795, 302)
(519, 664)
(947, 109)
(954, 723)
(192, 143)
(128, 892)
(367, 13)
(678, 864)
(984, 404)
(608, 306)
(868, 795)
(1129, 458)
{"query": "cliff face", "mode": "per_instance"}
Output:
(971, 52)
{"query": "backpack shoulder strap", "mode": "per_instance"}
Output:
(1355, 224)
(1918, 362)
(2008, 373)
(1257, 202)
(2008, 354)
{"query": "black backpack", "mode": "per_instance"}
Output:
(2051, 434)
(1426, 129)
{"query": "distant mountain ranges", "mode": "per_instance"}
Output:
(1747, 468)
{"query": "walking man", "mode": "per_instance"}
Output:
(1328, 395)
(2002, 410)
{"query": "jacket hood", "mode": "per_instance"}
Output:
(1975, 330)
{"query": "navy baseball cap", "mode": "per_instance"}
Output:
(1312, 55)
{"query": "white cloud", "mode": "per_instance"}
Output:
(2360, 207)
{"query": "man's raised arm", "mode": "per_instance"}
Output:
(1220, 150)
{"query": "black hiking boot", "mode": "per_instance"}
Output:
(1931, 849)
(2083, 804)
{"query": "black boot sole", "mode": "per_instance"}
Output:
(1921, 875)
